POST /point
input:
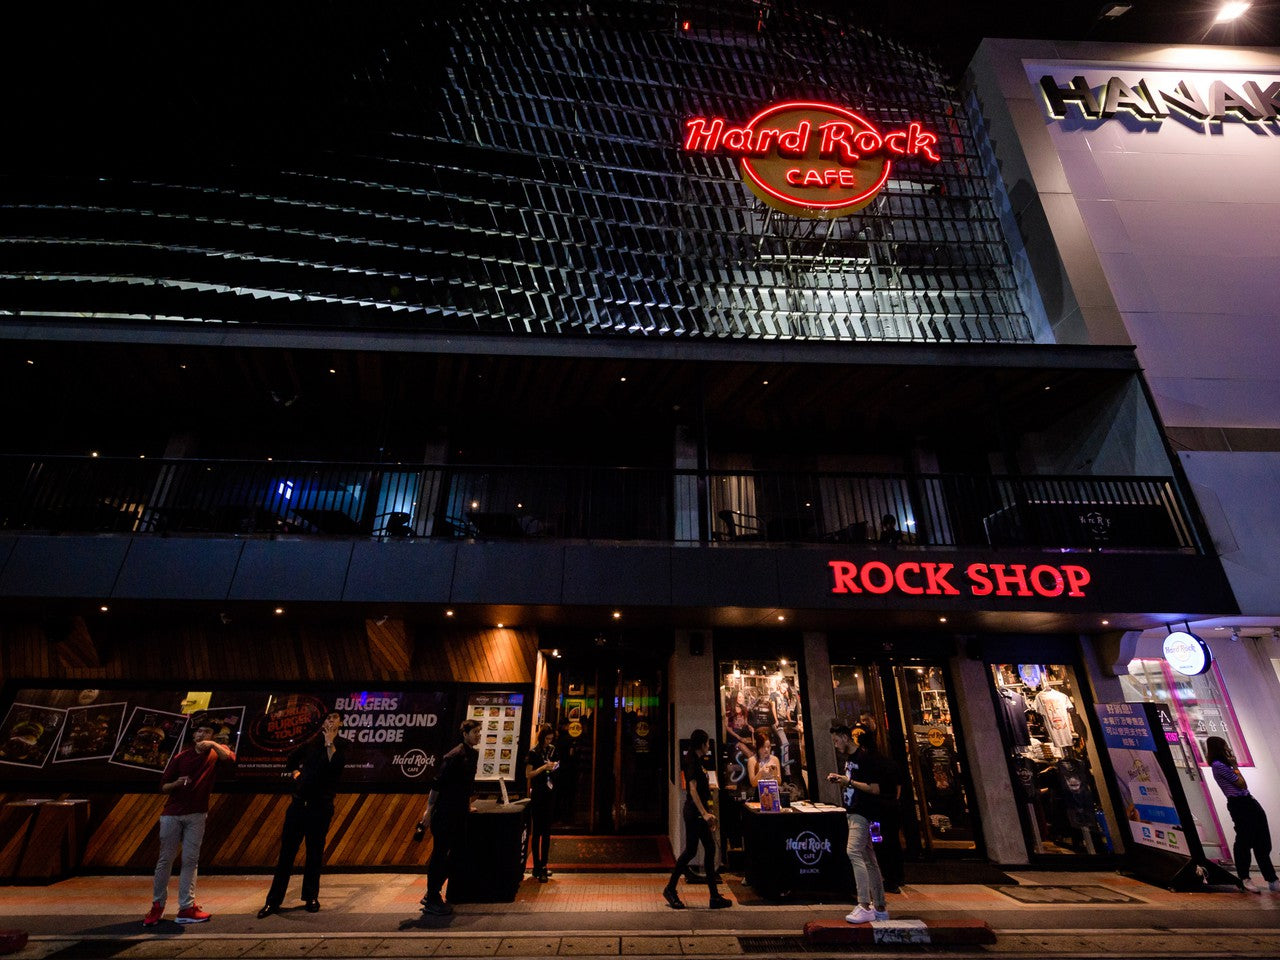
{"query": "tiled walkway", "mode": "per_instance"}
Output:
(601, 914)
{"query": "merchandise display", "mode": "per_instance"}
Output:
(1046, 737)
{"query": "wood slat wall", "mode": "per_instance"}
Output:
(243, 832)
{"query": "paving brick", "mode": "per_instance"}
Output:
(710, 946)
(406, 947)
(468, 947)
(215, 948)
(529, 947)
(646, 946)
(282, 947)
(588, 946)
(346, 947)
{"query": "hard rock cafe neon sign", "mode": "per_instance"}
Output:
(811, 159)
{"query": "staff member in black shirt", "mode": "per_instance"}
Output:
(698, 821)
(538, 769)
(316, 766)
(448, 804)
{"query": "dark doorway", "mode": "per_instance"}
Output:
(608, 704)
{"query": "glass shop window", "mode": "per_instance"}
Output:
(1046, 734)
(761, 713)
(1200, 705)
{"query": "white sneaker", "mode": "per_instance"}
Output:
(1274, 886)
(882, 914)
(861, 915)
(1251, 887)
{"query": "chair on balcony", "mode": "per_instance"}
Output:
(740, 526)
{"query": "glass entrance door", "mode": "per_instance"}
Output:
(909, 708)
(609, 712)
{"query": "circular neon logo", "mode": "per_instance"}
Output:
(1187, 653)
(811, 159)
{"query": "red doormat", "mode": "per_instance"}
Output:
(610, 853)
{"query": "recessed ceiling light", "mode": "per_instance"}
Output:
(104, 608)
(781, 618)
(1231, 11)
(622, 379)
(501, 625)
(331, 370)
(448, 613)
(31, 363)
(764, 383)
(279, 611)
(1106, 623)
(617, 614)
(93, 453)
(942, 619)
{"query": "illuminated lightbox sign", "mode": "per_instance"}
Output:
(934, 579)
(811, 159)
(1187, 653)
(1154, 100)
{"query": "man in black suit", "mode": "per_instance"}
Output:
(448, 804)
(316, 766)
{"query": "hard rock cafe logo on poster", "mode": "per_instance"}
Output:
(412, 763)
(811, 159)
(808, 847)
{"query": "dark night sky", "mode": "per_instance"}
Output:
(110, 83)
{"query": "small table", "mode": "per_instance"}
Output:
(795, 850)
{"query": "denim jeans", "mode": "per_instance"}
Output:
(862, 856)
(186, 831)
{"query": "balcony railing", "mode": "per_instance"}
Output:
(386, 501)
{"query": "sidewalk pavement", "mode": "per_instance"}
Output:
(622, 914)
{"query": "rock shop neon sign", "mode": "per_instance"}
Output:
(811, 159)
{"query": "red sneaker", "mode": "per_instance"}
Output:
(154, 914)
(193, 914)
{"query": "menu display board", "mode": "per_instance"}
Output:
(126, 736)
(499, 715)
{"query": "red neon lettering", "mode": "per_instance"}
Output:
(937, 574)
(812, 178)
(896, 142)
(793, 176)
(833, 136)
(795, 141)
(981, 585)
(883, 574)
(1017, 577)
(900, 578)
(868, 141)
(700, 136)
(737, 139)
(918, 141)
(844, 572)
(1054, 587)
(1077, 578)
(764, 140)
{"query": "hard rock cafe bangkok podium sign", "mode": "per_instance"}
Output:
(811, 159)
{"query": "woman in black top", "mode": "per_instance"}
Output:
(539, 768)
(698, 821)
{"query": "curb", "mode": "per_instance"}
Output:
(921, 932)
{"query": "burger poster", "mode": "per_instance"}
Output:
(29, 733)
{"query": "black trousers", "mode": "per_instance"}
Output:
(1253, 836)
(306, 821)
(448, 841)
(696, 831)
(541, 813)
(889, 849)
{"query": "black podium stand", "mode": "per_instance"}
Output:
(795, 850)
(493, 855)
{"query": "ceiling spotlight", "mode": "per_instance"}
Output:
(1106, 623)
(104, 608)
(942, 619)
(1231, 11)
(617, 614)
(448, 613)
(781, 618)
(1116, 9)
(279, 611)
(501, 625)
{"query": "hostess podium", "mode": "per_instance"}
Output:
(493, 854)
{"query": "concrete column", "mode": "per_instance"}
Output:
(693, 691)
(822, 710)
(988, 769)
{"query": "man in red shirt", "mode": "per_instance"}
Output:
(188, 781)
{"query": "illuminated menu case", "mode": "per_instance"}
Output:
(499, 715)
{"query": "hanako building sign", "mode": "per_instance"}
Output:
(1153, 97)
(811, 159)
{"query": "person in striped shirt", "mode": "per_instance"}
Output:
(1253, 835)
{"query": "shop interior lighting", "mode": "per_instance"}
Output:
(1231, 11)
